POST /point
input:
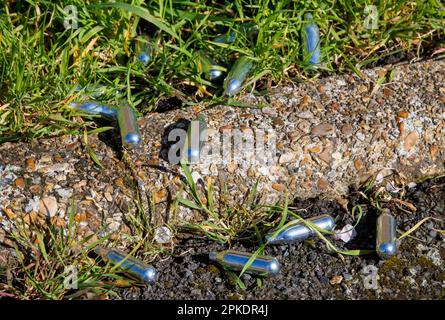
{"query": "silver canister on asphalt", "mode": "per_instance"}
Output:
(299, 231)
(236, 260)
(128, 264)
(386, 238)
(128, 125)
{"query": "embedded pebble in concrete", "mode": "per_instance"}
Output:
(55, 176)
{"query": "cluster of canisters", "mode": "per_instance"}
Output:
(240, 69)
(298, 230)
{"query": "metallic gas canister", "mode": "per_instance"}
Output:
(194, 142)
(299, 231)
(144, 49)
(386, 238)
(236, 260)
(128, 125)
(237, 75)
(206, 65)
(311, 42)
(130, 265)
(96, 108)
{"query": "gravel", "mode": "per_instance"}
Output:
(310, 271)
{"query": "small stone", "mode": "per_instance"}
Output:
(358, 164)
(347, 276)
(79, 217)
(162, 235)
(119, 183)
(81, 184)
(322, 184)
(306, 160)
(57, 222)
(153, 162)
(48, 206)
(9, 213)
(434, 150)
(286, 158)
(225, 128)
(280, 145)
(315, 149)
(46, 159)
(336, 280)
(48, 187)
(346, 130)
(195, 292)
(402, 114)
(33, 205)
(160, 196)
(279, 187)
(433, 234)
(335, 105)
(323, 129)
(382, 72)
(35, 189)
(271, 112)
(326, 155)
(30, 165)
(232, 166)
(324, 280)
(58, 158)
(33, 217)
(305, 115)
(387, 92)
(362, 88)
(321, 88)
(337, 156)
(196, 176)
(360, 136)
(278, 122)
(64, 193)
(305, 101)
(108, 197)
(251, 173)
(304, 126)
(410, 140)
(20, 183)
